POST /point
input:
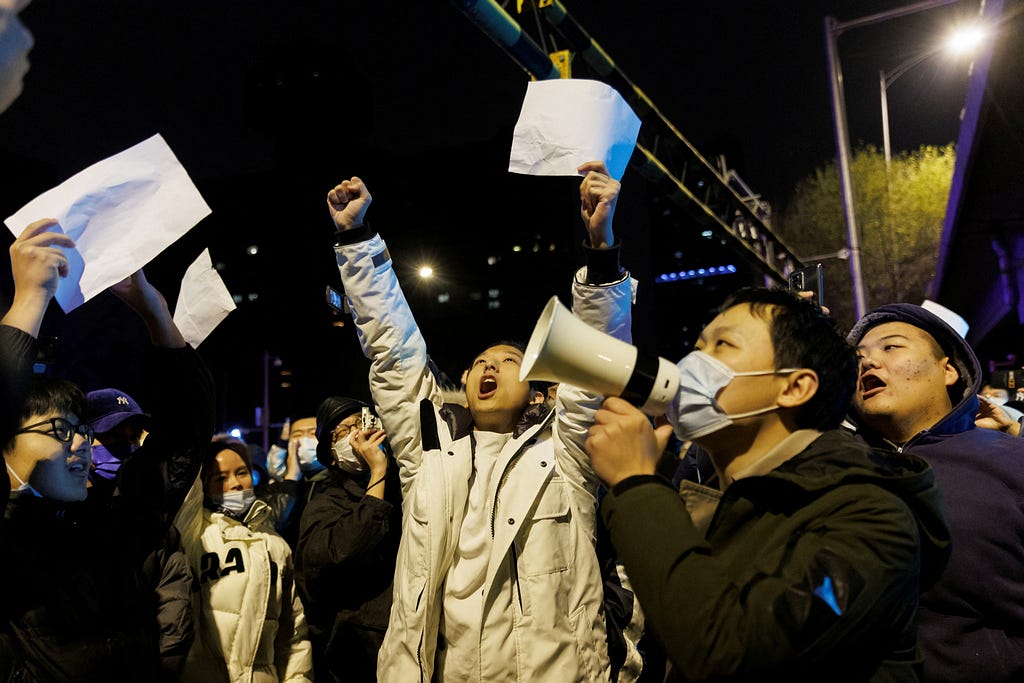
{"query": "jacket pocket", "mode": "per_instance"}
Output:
(546, 545)
(586, 644)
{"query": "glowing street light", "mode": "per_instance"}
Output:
(425, 272)
(962, 41)
(833, 28)
(965, 39)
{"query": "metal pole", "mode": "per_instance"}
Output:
(265, 418)
(885, 121)
(835, 76)
(494, 21)
(841, 26)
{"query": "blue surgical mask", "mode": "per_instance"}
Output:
(307, 456)
(234, 503)
(695, 412)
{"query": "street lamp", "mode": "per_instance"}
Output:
(833, 28)
(960, 42)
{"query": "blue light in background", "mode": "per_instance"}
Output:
(696, 273)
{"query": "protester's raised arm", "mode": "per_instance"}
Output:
(598, 194)
(348, 202)
(37, 264)
(146, 300)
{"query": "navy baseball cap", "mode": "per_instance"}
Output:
(107, 408)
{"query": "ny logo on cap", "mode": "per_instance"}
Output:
(122, 401)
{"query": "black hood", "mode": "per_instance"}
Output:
(838, 457)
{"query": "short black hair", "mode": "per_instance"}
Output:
(46, 395)
(535, 384)
(803, 336)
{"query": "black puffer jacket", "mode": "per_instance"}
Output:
(808, 573)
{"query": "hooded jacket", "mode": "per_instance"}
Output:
(807, 573)
(543, 614)
(250, 626)
(972, 619)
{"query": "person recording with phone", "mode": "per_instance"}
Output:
(348, 542)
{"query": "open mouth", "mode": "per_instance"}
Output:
(78, 467)
(488, 386)
(870, 385)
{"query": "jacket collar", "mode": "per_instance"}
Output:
(460, 421)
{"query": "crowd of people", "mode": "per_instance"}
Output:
(812, 506)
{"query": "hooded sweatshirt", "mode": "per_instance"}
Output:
(972, 620)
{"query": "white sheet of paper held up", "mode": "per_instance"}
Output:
(121, 212)
(204, 301)
(565, 123)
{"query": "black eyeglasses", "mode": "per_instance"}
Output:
(60, 429)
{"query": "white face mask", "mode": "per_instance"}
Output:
(235, 503)
(307, 455)
(346, 458)
(695, 412)
(25, 486)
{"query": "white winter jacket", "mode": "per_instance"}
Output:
(250, 625)
(543, 614)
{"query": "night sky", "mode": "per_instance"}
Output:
(268, 105)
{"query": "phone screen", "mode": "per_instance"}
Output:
(809, 279)
(334, 299)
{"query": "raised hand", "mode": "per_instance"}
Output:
(598, 194)
(348, 203)
(992, 416)
(37, 264)
(136, 291)
(146, 300)
(366, 445)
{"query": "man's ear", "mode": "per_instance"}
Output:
(801, 386)
(537, 397)
(950, 373)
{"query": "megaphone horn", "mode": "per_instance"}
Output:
(563, 348)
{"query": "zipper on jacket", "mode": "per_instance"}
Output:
(514, 571)
(511, 463)
(503, 479)
(419, 656)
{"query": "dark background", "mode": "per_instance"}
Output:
(268, 105)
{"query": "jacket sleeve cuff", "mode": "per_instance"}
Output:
(359, 233)
(603, 265)
(638, 480)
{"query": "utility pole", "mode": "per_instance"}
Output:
(833, 29)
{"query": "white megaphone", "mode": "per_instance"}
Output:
(563, 348)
